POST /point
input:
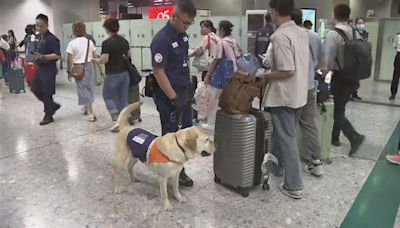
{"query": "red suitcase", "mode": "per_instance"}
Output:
(30, 71)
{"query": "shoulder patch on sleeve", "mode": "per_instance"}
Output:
(158, 58)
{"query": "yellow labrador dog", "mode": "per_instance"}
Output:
(165, 155)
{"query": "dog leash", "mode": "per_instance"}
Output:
(172, 117)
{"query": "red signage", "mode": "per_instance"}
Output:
(161, 12)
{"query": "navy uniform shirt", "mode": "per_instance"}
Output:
(263, 39)
(169, 50)
(47, 69)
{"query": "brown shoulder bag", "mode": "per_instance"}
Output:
(78, 72)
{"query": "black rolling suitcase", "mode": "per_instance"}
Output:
(193, 89)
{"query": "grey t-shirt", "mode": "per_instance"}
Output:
(317, 52)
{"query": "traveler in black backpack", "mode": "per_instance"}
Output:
(345, 79)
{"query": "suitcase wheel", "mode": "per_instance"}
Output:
(329, 161)
(244, 191)
(140, 120)
(265, 186)
(217, 180)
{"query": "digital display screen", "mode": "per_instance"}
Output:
(255, 22)
(164, 12)
(311, 15)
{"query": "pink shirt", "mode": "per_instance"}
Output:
(231, 50)
(211, 42)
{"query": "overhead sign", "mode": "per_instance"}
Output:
(161, 12)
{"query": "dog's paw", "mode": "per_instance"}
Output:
(181, 199)
(168, 207)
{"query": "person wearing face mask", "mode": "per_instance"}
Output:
(116, 82)
(341, 88)
(170, 61)
(361, 34)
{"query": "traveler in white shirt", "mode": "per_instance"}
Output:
(77, 50)
(286, 93)
(396, 72)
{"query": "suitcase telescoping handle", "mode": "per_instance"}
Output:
(261, 97)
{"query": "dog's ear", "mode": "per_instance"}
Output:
(168, 146)
(191, 139)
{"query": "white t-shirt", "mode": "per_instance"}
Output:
(78, 47)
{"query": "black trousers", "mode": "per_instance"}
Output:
(342, 92)
(396, 75)
(44, 96)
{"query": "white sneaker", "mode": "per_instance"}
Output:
(314, 168)
(115, 128)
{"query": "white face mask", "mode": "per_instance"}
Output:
(360, 27)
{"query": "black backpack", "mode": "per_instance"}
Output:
(357, 58)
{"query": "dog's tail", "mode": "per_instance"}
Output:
(123, 116)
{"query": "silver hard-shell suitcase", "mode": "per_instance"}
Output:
(242, 142)
(16, 82)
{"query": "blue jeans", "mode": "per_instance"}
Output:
(170, 121)
(4, 71)
(116, 86)
(284, 145)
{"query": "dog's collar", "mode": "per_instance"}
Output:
(179, 145)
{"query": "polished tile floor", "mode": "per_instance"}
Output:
(60, 175)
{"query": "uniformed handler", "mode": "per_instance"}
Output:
(46, 57)
(263, 38)
(170, 61)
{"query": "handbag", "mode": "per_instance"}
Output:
(203, 62)
(150, 85)
(78, 72)
(222, 73)
(247, 63)
(134, 74)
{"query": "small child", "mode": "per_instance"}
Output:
(395, 159)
